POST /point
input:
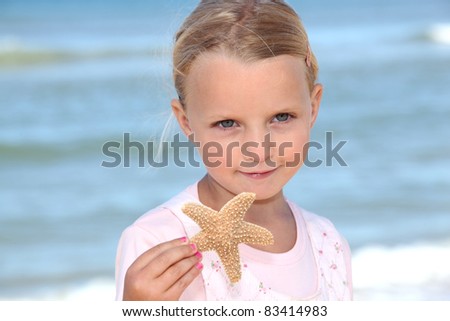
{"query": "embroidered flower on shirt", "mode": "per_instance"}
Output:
(338, 247)
(216, 266)
(262, 288)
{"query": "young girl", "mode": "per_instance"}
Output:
(248, 98)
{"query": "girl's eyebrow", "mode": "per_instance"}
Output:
(215, 117)
(288, 108)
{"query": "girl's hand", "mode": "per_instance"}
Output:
(163, 272)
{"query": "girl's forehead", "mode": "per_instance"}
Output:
(217, 75)
(229, 83)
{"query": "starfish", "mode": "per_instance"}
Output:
(222, 231)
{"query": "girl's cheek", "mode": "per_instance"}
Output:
(215, 154)
(211, 153)
(292, 150)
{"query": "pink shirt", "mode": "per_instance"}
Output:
(318, 267)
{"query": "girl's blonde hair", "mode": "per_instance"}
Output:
(248, 29)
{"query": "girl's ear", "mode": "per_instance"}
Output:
(316, 98)
(181, 117)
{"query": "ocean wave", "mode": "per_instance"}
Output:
(35, 152)
(14, 52)
(53, 150)
(409, 272)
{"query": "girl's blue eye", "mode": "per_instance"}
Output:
(282, 117)
(226, 123)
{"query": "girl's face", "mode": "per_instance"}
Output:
(251, 121)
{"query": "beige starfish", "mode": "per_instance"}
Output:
(222, 231)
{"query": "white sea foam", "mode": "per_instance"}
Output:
(95, 290)
(408, 272)
(440, 33)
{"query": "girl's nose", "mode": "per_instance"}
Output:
(257, 147)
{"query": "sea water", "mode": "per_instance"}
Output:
(76, 75)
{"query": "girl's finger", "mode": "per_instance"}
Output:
(184, 281)
(172, 256)
(145, 258)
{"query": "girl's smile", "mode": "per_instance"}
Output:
(258, 175)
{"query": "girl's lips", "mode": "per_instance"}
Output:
(258, 175)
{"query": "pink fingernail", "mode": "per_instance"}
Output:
(199, 265)
(193, 246)
(183, 239)
(198, 255)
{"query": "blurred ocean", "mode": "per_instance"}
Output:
(75, 75)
